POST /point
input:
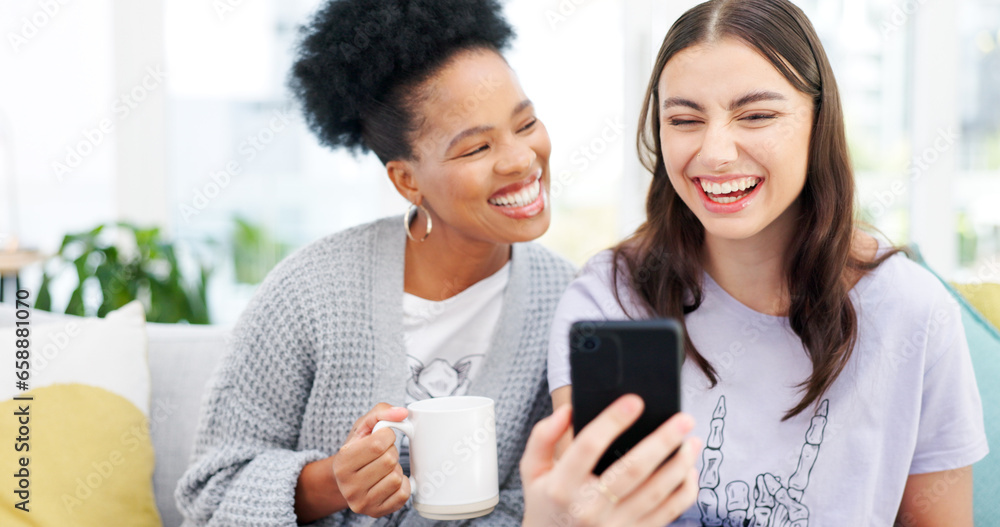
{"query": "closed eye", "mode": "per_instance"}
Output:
(682, 122)
(528, 126)
(760, 117)
(476, 151)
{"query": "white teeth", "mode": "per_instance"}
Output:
(716, 190)
(520, 198)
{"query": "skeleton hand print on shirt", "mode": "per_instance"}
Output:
(439, 378)
(774, 504)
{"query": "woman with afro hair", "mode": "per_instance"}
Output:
(449, 299)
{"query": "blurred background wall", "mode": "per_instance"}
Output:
(174, 113)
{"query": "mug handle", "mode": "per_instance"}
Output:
(404, 426)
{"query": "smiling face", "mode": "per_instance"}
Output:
(482, 156)
(735, 138)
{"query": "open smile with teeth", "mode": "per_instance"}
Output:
(730, 191)
(519, 198)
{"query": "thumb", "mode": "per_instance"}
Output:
(381, 412)
(540, 451)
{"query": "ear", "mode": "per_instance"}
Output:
(401, 175)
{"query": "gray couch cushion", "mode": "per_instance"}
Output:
(181, 360)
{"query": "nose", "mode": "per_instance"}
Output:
(718, 148)
(516, 157)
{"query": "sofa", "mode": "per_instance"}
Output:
(181, 360)
(183, 357)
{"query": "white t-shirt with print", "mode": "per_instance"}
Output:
(446, 341)
(906, 403)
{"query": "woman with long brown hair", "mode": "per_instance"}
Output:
(829, 375)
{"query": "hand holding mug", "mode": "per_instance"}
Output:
(453, 456)
(637, 490)
(367, 466)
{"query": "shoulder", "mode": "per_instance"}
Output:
(904, 294)
(592, 293)
(598, 273)
(335, 259)
(902, 282)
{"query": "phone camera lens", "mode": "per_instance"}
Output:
(591, 343)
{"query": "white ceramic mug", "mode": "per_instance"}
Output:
(453, 456)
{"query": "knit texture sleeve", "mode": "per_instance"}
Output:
(245, 464)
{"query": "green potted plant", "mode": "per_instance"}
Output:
(125, 263)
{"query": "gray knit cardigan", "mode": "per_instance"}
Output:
(319, 345)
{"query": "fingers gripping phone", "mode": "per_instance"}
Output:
(611, 358)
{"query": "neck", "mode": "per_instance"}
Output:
(446, 264)
(753, 270)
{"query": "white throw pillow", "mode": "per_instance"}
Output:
(89, 459)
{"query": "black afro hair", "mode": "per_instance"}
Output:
(357, 57)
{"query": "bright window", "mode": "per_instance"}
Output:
(919, 82)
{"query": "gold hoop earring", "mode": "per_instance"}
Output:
(411, 214)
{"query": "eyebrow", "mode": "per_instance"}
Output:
(756, 96)
(749, 98)
(485, 128)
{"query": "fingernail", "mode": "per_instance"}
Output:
(691, 449)
(685, 423)
(629, 404)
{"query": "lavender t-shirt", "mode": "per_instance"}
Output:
(906, 403)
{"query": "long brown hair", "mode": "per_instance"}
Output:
(662, 259)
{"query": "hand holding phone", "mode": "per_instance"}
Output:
(611, 358)
(641, 490)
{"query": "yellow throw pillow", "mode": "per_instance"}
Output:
(86, 458)
(985, 298)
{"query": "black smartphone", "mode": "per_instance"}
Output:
(611, 358)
